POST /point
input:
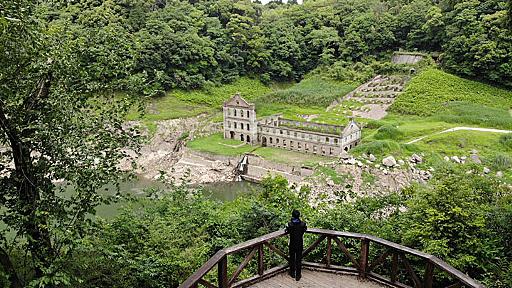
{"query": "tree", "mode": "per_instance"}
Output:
(52, 131)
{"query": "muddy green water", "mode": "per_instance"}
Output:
(223, 191)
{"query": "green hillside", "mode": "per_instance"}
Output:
(433, 90)
(450, 98)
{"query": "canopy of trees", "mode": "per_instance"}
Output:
(152, 46)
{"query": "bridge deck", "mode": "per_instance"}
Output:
(316, 279)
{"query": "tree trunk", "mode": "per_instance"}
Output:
(9, 268)
(34, 227)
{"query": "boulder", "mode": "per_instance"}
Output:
(389, 161)
(415, 158)
(218, 166)
(455, 159)
(499, 174)
(446, 158)
(372, 157)
(401, 162)
(475, 159)
(344, 155)
(487, 170)
(351, 161)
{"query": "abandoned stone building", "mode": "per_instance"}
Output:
(323, 139)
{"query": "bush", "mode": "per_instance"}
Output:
(374, 124)
(388, 132)
(502, 161)
(506, 140)
(378, 147)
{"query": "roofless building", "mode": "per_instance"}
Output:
(240, 123)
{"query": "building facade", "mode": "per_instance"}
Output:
(322, 139)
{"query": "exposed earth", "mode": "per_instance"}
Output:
(166, 152)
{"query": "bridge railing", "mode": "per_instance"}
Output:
(375, 259)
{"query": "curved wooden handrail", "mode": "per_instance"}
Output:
(361, 264)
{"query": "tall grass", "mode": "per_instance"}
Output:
(250, 89)
(433, 91)
(470, 113)
(313, 90)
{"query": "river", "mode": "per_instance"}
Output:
(223, 191)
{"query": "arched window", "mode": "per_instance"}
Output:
(247, 113)
(248, 127)
(235, 123)
(248, 139)
(242, 137)
(235, 111)
(270, 140)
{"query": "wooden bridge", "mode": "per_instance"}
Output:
(333, 259)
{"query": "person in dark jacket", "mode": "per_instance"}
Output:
(296, 229)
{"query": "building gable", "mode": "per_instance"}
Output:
(238, 102)
(351, 127)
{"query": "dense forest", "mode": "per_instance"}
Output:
(154, 46)
(58, 59)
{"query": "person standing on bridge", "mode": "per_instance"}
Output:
(296, 229)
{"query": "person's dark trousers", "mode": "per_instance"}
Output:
(295, 263)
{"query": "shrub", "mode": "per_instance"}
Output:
(374, 124)
(388, 132)
(506, 140)
(378, 147)
(502, 161)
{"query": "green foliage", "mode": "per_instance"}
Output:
(388, 132)
(462, 142)
(450, 219)
(313, 91)
(378, 147)
(169, 235)
(433, 91)
(250, 90)
(216, 144)
(54, 132)
(506, 140)
(502, 161)
(475, 114)
(464, 220)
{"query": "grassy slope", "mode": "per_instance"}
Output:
(309, 97)
(216, 144)
(182, 104)
(449, 98)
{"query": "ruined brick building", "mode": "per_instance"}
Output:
(323, 139)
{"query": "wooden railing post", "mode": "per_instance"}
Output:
(261, 264)
(394, 267)
(429, 275)
(329, 251)
(363, 260)
(222, 272)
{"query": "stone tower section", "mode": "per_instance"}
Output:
(240, 120)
